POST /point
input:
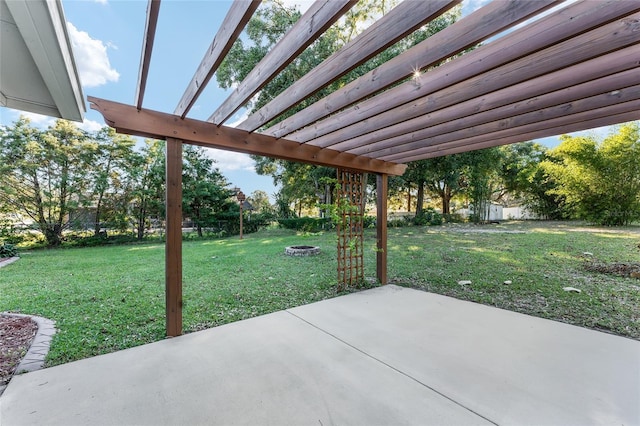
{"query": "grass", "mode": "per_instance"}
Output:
(108, 298)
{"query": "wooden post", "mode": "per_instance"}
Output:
(381, 228)
(173, 247)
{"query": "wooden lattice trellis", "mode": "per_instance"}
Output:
(350, 202)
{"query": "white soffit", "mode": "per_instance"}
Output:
(37, 70)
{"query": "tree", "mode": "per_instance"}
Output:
(442, 177)
(44, 173)
(482, 175)
(260, 202)
(600, 180)
(525, 180)
(204, 189)
(110, 178)
(147, 195)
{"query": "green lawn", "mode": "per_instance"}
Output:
(109, 298)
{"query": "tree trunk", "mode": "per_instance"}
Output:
(141, 219)
(409, 199)
(420, 198)
(96, 226)
(446, 200)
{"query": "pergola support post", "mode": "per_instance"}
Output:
(381, 227)
(173, 247)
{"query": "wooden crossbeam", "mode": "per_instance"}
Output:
(233, 24)
(411, 99)
(617, 69)
(478, 26)
(158, 125)
(600, 102)
(320, 16)
(563, 129)
(606, 116)
(153, 10)
(392, 27)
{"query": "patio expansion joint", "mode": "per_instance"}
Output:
(394, 368)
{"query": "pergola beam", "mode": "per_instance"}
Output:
(567, 128)
(158, 125)
(480, 25)
(601, 102)
(608, 72)
(153, 10)
(237, 17)
(606, 116)
(491, 67)
(395, 25)
(320, 16)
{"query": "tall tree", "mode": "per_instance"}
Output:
(148, 173)
(483, 180)
(260, 201)
(44, 173)
(442, 177)
(109, 176)
(599, 179)
(525, 180)
(204, 190)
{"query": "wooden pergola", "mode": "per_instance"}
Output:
(574, 67)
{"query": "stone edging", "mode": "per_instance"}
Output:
(34, 359)
(9, 261)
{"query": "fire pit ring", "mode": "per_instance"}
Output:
(302, 250)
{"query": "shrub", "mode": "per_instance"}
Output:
(8, 250)
(453, 218)
(369, 221)
(428, 217)
(306, 224)
(397, 223)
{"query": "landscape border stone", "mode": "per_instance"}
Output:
(8, 261)
(39, 348)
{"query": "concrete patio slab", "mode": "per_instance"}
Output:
(509, 367)
(384, 356)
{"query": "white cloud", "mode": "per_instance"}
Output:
(90, 125)
(101, 1)
(228, 160)
(37, 120)
(303, 5)
(238, 119)
(91, 58)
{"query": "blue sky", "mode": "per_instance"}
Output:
(107, 38)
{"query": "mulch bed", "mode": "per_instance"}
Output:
(16, 335)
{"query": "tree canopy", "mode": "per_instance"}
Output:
(600, 180)
(64, 177)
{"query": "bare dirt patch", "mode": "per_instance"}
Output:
(621, 269)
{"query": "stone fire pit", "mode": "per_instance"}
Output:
(302, 251)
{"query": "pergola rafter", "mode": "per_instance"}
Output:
(569, 69)
(607, 72)
(320, 16)
(487, 69)
(392, 27)
(231, 28)
(480, 25)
